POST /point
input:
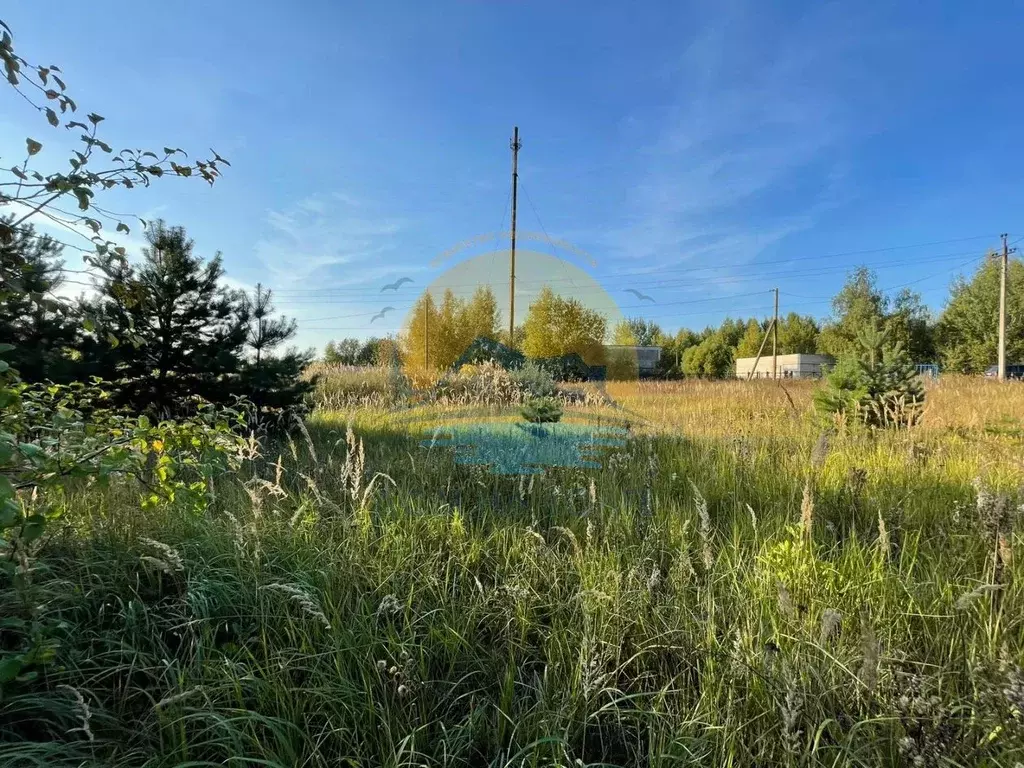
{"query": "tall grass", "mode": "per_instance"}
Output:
(732, 588)
(346, 386)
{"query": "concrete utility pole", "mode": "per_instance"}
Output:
(760, 349)
(1002, 312)
(775, 338)
(515, 145)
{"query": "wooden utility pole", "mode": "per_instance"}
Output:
(426, 332)
(1002, 312)
(515, 145)
(775, 338)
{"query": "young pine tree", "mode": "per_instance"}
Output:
(173, 329)
(879, 386)
(271, 381)
(42, 330)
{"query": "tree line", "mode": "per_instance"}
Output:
(962, 338)
(439, 332)
(167, 328)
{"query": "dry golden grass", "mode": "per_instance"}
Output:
(729, 408)
(972, 427)
(717, 408)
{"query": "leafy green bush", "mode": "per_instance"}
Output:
(59, 437)
(712, 358)
(878, 387)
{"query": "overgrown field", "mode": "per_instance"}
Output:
(736, 586)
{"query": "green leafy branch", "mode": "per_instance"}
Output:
(36, 194)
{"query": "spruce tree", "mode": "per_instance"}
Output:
(879, 386)
(541, 410)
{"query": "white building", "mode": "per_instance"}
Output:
(788, 366)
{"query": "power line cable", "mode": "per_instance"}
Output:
(818, 301)
(728, 280)
(652, 271)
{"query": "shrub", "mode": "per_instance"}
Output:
(570, 367)
(711, 359)
(534, 380)
(541, 410)
(485, 384)
(485, 350)
(490, 384)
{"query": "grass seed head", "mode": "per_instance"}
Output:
(807, 510)
(870, 651)
(84, 713)
(831, 622)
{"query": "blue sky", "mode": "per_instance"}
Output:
(699, 152)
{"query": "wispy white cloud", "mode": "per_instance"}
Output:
(305, 241)
(748, 148)
(327, 256)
